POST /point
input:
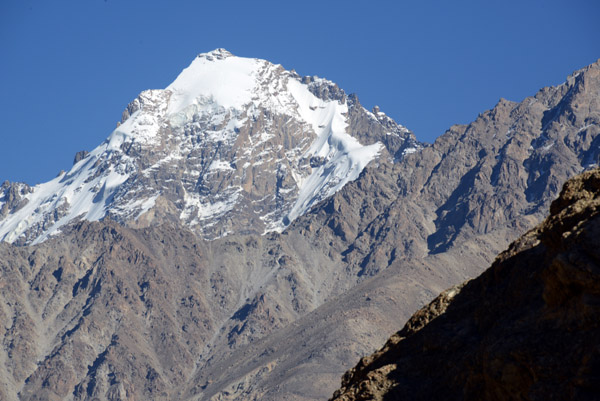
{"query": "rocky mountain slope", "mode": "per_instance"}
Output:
(525, 329)
(140, 304)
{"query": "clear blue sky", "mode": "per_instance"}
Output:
(68, 68)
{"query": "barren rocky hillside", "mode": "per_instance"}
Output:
(527, 328)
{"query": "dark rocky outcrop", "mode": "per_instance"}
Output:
(80, 156)
(526, 329)
(12, 197)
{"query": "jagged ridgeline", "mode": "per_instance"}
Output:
(233, 146)
(249, 234)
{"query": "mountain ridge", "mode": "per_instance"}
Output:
(230, 139)
(525, 328)
(273, 314)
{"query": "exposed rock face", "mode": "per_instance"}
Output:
(12, 197)
(109, 312)
(82, 154)
(96, 315)
(275, 316)
(527, 328)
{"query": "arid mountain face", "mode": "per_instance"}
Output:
(167, 286)
(527, 328)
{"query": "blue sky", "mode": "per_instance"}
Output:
(69, 67)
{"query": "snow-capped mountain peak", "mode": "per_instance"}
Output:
(233, 145)
(227, 80)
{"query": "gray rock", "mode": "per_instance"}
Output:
(80, 156)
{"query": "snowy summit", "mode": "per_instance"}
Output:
(233, 144)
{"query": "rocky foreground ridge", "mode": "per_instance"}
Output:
(526, 329)
(139, 305)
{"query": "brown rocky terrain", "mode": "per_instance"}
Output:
(147, 309)
(110, 312)
(526, 329)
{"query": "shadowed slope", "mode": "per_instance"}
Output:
(527, 328)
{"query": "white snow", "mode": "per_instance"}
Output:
(143, 125)
(345, 156)
(203, 210)
(220, 165)
(227, 82)
(140, 206)
(81, 191)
